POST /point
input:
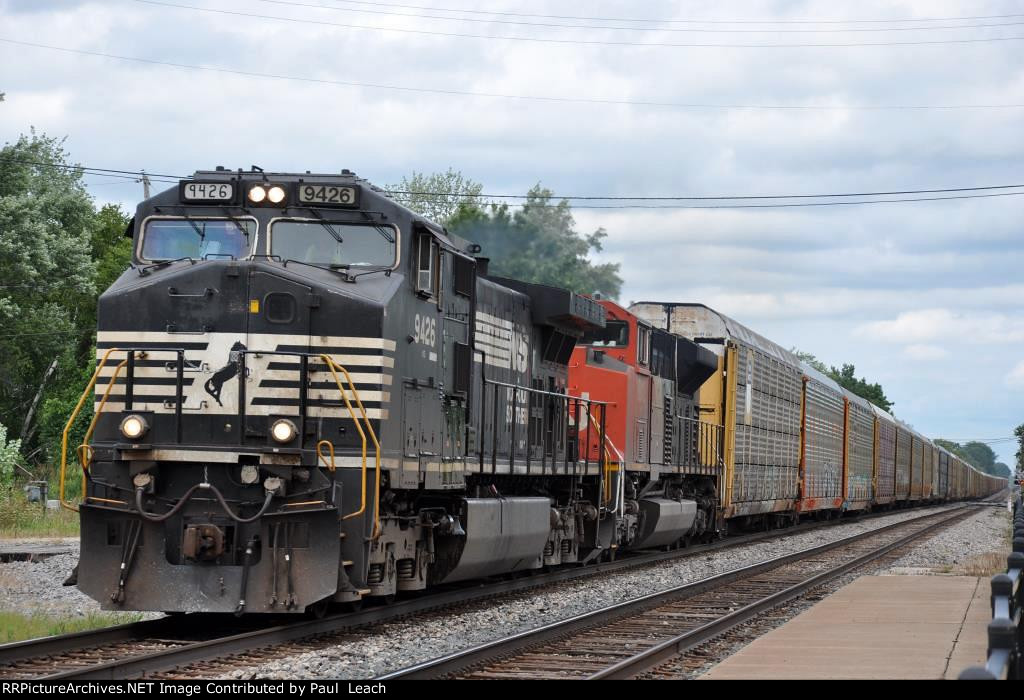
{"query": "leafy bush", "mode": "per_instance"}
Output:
(9, 453)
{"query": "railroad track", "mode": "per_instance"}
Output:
(185, 645)
(634, 637)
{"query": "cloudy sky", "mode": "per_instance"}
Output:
(752, 97)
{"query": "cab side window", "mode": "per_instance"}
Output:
(428, 266)
(643, 344)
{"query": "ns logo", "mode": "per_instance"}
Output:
(520, 359)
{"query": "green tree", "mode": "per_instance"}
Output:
(977, 454)
(56, 253)
(953, 447)
(437, 196)
(981, 456)
(1003, 469)
(811, 360)
(539, 243)
(48, 277)
(111, 248)
(872, 392)
(846, 378)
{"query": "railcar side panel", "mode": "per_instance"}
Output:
(766, 432)
(943, 474)
(884, 457)
(903, 450)
(859, 453)
(821, 463)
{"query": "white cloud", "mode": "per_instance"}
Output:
(925, 352)
(913, 327)
(1016, 375)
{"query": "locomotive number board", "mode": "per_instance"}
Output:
(328, 195)
(207, 191)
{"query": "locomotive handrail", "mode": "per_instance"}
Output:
(608, 461)
(71, 421)
(334, 367)
(85, 451)
(320, 454)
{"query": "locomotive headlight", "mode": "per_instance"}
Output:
(276, 194)
(133, 427)
(283, 430)
(257, 193)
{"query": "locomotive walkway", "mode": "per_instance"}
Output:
(877, 627)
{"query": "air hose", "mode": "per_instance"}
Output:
(153, 518)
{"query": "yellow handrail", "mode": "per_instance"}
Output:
(85, 448)
(320, 454)
(334, 367)
(71, 421)
(608, 463)
(376, 447)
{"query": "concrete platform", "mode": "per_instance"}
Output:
(880, 627)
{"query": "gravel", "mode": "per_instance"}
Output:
(395, 645)
(34, 587)
(985, 535)
(970, 548)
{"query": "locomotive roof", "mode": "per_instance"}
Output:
(704, 322)
(381, 201)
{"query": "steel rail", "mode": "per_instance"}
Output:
(188, 652)
(509, 646)
(652, 657)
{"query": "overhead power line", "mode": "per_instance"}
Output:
(825, 195)
(675, 21)
(99, 172)
(585, 42)
(675, 30)
(630, 201)
(722, 197)
(792, 205)
(526, 98)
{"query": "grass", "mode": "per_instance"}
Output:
(15, 626)
(19, 518)
(986, 565)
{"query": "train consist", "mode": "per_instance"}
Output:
(306, 393)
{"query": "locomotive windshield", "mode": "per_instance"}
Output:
(173, 239)
(324, 242)
(615, 334)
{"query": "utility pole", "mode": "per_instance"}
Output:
(145, 184)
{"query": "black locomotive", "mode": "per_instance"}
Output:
(307, 393)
